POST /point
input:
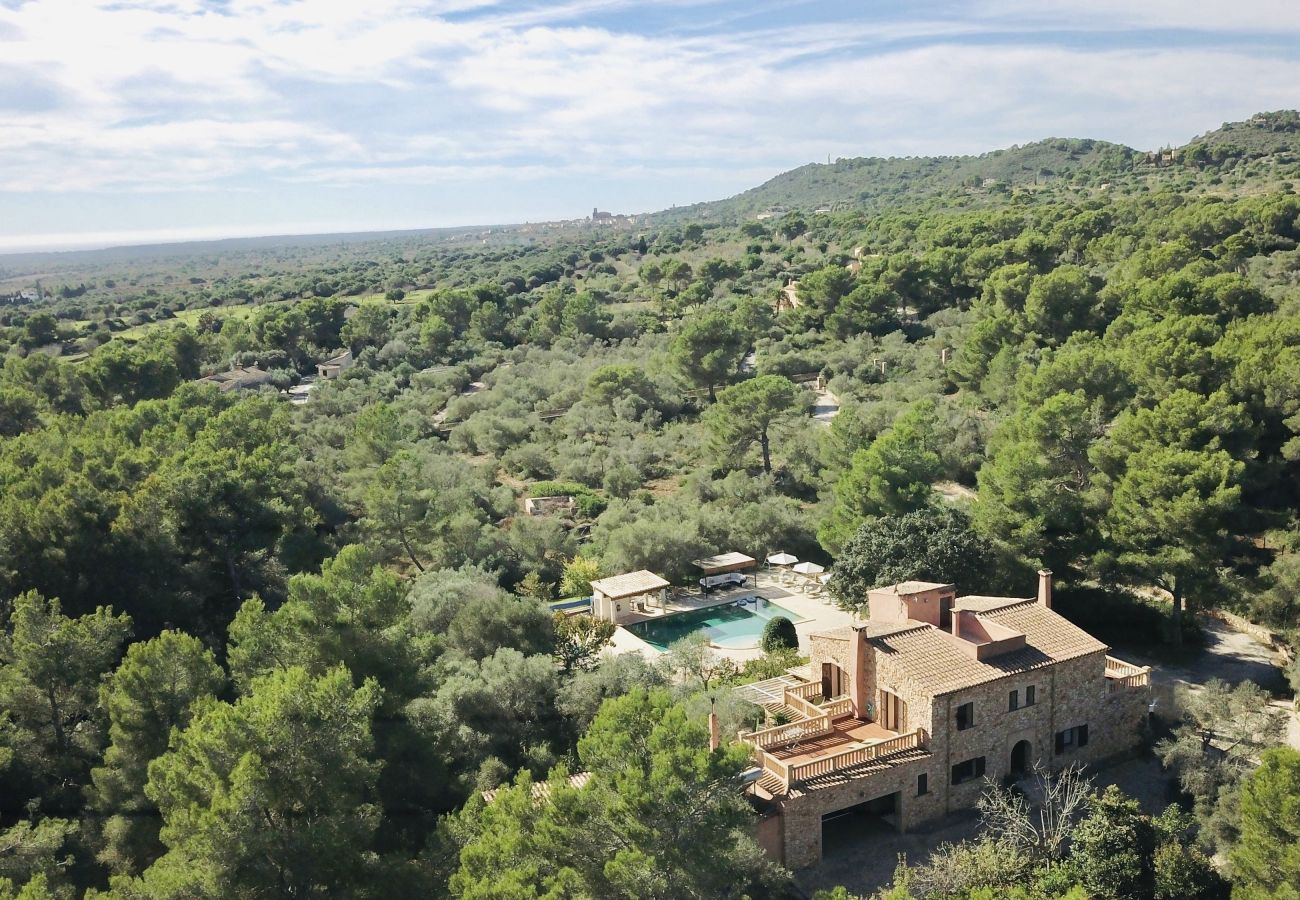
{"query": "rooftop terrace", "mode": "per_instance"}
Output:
(823, 739)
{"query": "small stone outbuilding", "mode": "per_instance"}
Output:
(615, 599)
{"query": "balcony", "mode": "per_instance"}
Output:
(821, 736)
(1122, 676)
(847, 744)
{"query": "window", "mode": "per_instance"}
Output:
(1031, 695)
(922, 784)
(1014, 700)
(1072, 739)
(965, 716)
(968, 770)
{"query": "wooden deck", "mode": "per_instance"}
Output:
(847, 733)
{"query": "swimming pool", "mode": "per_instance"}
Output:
(572, 606)
(734, 625)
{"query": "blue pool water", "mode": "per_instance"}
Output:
(727, 625)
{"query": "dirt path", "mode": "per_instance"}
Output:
(826, 407)
(1230, 656)
(953, 492)
(790, 294)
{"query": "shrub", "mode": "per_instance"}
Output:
(779, 634)
(770, 665)
(579, 573)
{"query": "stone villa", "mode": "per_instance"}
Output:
(899, 721)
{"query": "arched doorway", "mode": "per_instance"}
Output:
(1020, 758)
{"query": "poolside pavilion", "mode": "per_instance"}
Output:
(723, 563)
(615, 599)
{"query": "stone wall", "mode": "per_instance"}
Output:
(838, 649)
(802, 816)
(830, 647)
(1125, 724)
(996, 730)
(882, 672)
(1068, 694)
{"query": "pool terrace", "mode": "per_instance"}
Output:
(812, 612)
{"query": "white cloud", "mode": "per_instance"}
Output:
(171, 95)
(1248, 16)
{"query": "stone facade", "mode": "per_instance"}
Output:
(835, 648)
(1054, 699)
(801, 817)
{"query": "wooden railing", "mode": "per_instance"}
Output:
(803, 707)
(805, 691)
(838, 708)
(779, 735)
(1121, 674)
(791, 773)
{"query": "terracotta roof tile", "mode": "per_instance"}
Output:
(980, 603)
(541, 790)
(1049, 631)
(933, 661)
(629, 585)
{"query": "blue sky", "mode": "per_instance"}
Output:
(140, 120)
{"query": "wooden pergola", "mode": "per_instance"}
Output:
(723, 563)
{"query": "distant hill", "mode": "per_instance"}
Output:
(871, 182)
(1265, 134)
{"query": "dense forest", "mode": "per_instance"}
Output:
(255, 648)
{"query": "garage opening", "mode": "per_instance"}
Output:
(847, 830)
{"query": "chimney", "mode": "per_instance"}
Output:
(715, 739)
(1045, 587)
(857, 665)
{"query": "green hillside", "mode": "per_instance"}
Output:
(871, 183)
(1261, 134)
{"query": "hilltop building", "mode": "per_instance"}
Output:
(900, 720)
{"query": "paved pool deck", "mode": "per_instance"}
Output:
(816, 613)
